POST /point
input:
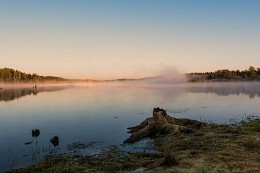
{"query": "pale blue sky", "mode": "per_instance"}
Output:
(128, 38)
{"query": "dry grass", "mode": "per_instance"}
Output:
(213, 148)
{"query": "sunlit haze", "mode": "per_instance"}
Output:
(103, 39)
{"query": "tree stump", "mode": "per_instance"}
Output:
(161, 123)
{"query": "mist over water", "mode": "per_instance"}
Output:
(87, 111)
(169, 75)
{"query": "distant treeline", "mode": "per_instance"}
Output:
(249, 74)
(9, 75)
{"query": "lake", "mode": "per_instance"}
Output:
(102, 113)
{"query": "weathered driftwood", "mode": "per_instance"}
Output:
(161, 123)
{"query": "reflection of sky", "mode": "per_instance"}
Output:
(88, 113)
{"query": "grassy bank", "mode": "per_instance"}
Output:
(212, 148)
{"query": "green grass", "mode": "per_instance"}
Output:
(212, 148)
(215, 148)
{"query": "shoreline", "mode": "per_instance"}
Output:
(209, 148)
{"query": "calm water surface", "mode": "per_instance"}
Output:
(102, 113)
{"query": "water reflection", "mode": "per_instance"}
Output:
(102, 113)
(250, 89)
(12, 93)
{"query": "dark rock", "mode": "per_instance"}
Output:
(35, 133)
(27, 143)
(55, 141)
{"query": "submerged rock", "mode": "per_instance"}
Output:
(162, 123)
(55, 141)
(27, 143)
(35, 133)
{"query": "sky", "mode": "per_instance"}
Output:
(107, 39)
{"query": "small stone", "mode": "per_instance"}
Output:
(35, 133)
(55, 141)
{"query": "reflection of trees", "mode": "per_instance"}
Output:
(250, 90)
(10, 94)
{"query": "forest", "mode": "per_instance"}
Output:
(8, 75)
(249, 74)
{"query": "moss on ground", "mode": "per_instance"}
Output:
(215, 148)
(212, 148)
